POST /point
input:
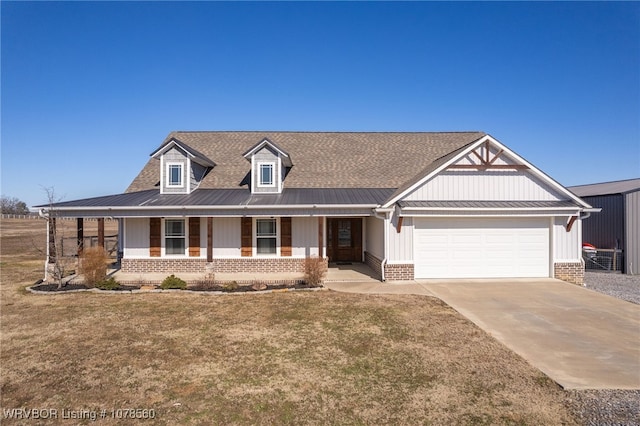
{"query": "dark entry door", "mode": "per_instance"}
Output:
(344, 239)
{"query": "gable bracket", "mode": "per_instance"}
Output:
(572, 220)
(487, 161)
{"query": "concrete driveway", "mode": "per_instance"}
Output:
(579, 338)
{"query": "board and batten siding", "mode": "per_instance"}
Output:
(632, 222)
(567, 245)
(488, 185)
(136, 238)
(226, 237)
(304, 236)
(374, 236)
(400, 243)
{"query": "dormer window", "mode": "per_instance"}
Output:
(266, 174)
(174, 175)
(269, 167)
(182, 168)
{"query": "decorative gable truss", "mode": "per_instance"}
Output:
(181, 167)
(269, 166)
(484, 179)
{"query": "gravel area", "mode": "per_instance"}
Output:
(609, 407)
(622, 286)
(606, 407)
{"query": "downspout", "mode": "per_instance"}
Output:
(45, 216)
(386, 241)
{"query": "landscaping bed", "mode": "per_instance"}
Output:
(222, 287)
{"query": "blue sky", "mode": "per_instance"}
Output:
(90, 89)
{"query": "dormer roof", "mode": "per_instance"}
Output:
(193, 154)
(286, 158)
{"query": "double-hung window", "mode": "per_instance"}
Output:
(174, 174)
(174, 236)
(265, 177)
(266, 237)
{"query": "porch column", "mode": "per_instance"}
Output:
(209, 239)
(321, 236)
(80, 235)
(101, 232)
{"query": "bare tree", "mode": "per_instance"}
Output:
(12, 205)
(57, 266)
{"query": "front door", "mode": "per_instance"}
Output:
(344, 239)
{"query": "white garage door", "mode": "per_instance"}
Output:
(481, 248)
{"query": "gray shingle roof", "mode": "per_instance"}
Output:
(322, 159)
(606, 188)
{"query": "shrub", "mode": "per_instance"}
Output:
(110, 284)
(173, 282)
(314, 270)
(93, 265)
(230, 285)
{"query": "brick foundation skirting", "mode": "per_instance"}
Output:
(398, 272)
(374, 263)
(570, 272)
(165, 266)
(247, 264)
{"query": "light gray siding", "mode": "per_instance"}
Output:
(136, 238)
(374, 236)
(266, 155)
(488, 185)
(632, 212)
(304, 236)
(196, 174)
(401, 243)
(566, 245)
(226, 237)
(174, 155)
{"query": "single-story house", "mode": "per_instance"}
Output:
(409, 205)
(617, 226)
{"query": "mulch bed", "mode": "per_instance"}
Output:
(49, 287)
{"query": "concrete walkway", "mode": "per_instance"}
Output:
(579, 338)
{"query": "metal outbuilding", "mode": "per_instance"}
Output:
(617, 226)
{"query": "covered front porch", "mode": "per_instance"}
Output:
(343, 272)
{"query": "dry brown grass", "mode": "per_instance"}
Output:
(283, 358)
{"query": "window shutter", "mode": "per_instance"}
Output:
(246, 237)
(194, 237)
(155, 236)
(285, 236)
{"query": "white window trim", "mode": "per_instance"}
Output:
(168, 174)
(164, 238)
(273, 174)
(255, 238)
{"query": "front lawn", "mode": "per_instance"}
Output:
(281, 358)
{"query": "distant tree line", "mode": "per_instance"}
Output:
(12, 205)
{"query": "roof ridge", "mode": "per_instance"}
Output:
(326, 131)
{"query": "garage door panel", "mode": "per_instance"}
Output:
(481, 248)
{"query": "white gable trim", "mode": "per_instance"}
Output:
(266, 142)
(184, 148)
(534, 170)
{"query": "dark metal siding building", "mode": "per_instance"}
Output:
(615, 227)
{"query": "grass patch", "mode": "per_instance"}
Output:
(280, 358)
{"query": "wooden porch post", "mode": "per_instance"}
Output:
(209, 239)
(101, 232)
(80, 235)
(320, 236)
